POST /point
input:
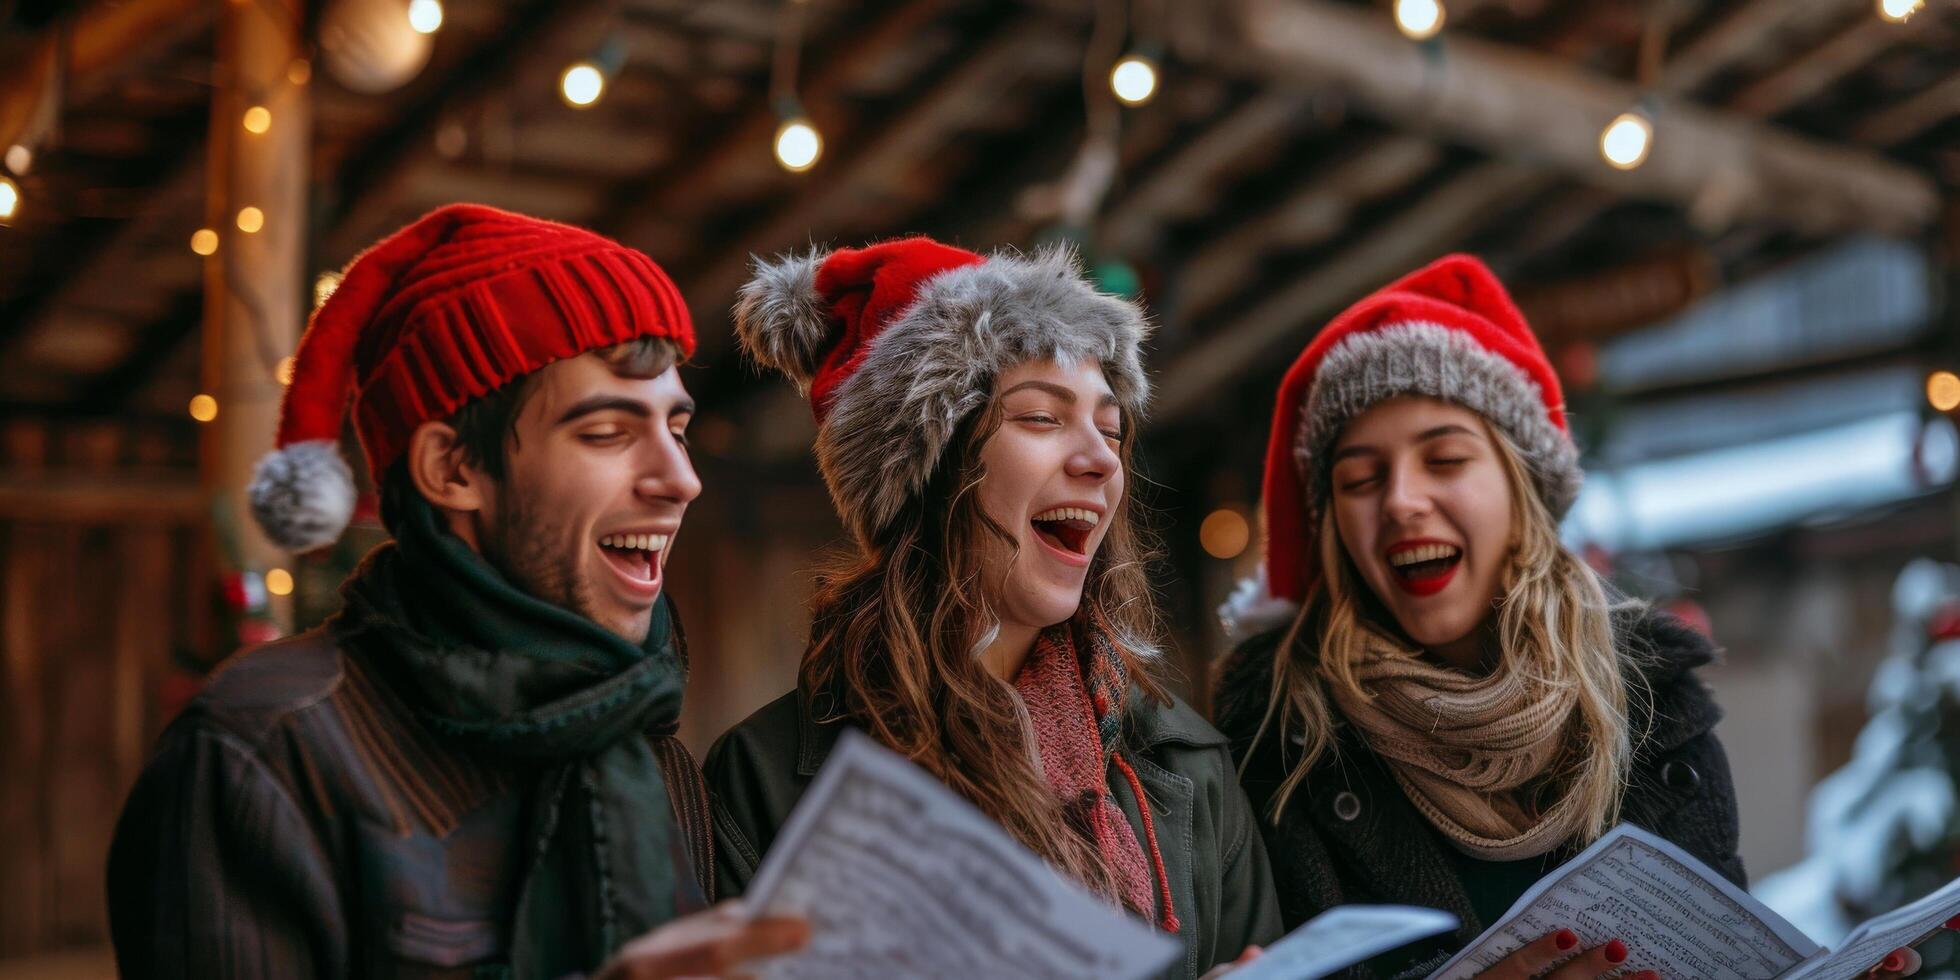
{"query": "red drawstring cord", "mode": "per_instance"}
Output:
(1169, 919)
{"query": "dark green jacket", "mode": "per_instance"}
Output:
(1221, 885)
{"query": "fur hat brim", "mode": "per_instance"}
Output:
(933, 366)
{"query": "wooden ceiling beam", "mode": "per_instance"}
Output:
(869, 161)
(669, 208)
(107, 42)
(1520, 103)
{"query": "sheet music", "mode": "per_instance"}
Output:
(899, 877)
(1676, 915)
(1870, 942)
(1341, 937)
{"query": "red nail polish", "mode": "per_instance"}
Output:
(1566, 939)
(1616, 952)
(1893, 962)
(1953, 923)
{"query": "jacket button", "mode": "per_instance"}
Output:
(1680, 776)
(1347, 806)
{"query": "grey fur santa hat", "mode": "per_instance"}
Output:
(1448, 331)
(898, 342)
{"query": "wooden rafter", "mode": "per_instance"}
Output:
(1518, 102)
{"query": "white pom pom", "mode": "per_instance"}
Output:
(303, 495)
(1253, 609)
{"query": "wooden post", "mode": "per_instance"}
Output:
(255, 286)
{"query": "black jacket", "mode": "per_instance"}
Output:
(1350, 835)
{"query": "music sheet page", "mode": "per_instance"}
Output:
(1341, 937)
(1870, 942)
(899, 877)
(1675, 914)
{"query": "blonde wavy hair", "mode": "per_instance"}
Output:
(1554, 617)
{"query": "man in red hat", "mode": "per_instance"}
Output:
(471, 769)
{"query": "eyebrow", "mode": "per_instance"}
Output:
(1106, 400)
(615, 403)
(1438, 432)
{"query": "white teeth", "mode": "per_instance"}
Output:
(635, 542)
(1070, 514)
(1422, 553)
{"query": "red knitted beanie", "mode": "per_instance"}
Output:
(445, 311)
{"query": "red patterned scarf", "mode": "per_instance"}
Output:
(1075, 700)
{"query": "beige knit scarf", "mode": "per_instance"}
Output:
(1475, 754)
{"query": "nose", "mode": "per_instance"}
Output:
(1405, 495)
(1094, 458)
(666, 472)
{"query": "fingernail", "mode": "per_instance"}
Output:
(1893, 962)
(1953, 923)
(1616, 952)
(1566, 939)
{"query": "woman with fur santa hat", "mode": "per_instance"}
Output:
(990, 619)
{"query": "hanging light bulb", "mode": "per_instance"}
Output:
(204, 408)
(250, 220)
(1943, 390)
(798, 144)
(1419, 20)
(582, 84)
(425, 15)
(258, 119)
(1626, 141)
(204, 241)
(9, 198)
(1134, 79)
(20, 159)
(1898, 11)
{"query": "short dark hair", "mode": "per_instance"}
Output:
(487, 427)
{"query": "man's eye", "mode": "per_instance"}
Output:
(680, 436)
(602, 437)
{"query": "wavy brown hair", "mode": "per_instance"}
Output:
(896, 629)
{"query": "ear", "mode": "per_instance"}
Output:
(441, 473)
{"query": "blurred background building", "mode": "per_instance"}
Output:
(1732, 221)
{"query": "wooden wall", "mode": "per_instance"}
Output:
(103, 580)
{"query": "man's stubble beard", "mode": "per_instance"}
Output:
(541, 556)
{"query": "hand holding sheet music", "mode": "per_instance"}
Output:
(1681, 919)
(899, 877)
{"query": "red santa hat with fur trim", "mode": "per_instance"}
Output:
(896, 343)
(1447, 331)
(449, 309)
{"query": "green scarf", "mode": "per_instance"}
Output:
(513, 677)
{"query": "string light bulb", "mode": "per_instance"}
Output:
(1419, 20)
(323, 286)
(278, 581)
(258, 119)
(1943, 391)
(1224, 533)
(425, 16)
(798, 144)
(250, 220)
(20, 158)
(1899, 11)
(1134, 80)
(204, 408)
(9, 198)
(1626, 141)
(582, 84)
(204, 241)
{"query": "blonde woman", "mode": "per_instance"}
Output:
(1449, 703)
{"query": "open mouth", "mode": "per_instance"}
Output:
(1066, 529)
(1424, 568)
(635, 556)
